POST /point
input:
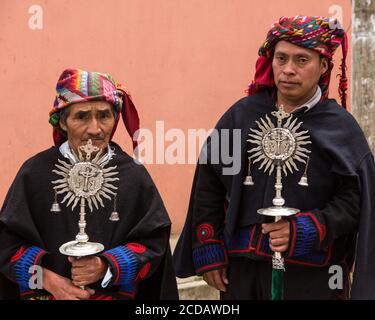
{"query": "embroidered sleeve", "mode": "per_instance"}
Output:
(209, 257)
(21, 263)
(130, 264)
(307, 233)
(210, 198)
(210, 254)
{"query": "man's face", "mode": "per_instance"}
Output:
(89, 120)
(297, 71)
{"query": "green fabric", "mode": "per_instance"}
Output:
(54, 119)
(277, 289)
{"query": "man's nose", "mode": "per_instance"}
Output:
(289, 68)
(94, 127)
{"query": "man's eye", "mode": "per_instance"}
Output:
(303, 60)
(82, 116)
(280, 59)
(104, 116)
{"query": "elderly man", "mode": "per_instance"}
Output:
(228, 242)
(131, 223)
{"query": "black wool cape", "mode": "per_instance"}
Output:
(338, 147)
(26, 219)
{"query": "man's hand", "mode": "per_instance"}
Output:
(279, 235)
(87, 270)
(62, 288)
(217, 279)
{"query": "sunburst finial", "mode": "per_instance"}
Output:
(86, 178)
(281, 143)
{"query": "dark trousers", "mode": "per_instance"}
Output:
(251, 280)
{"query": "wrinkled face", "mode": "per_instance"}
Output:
(297, 71)
(89, 120)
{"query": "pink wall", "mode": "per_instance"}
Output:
(184, 61)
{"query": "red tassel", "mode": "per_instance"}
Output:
(58, 138)
(129, 115)
(343, 84)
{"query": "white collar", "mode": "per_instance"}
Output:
(67, 153)
(312, 102)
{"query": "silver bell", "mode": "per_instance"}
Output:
(303, 182)
(55, 205)
(114, 216)
(248, 181)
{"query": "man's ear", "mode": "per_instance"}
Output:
(324, 64)
(62, 124)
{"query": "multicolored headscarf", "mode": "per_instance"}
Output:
(75, 85)
(321, 34)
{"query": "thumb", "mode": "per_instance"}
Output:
(264, 228)
(90, 291)
(224, 276)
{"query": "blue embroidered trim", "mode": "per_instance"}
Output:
(240, 239)
(22, 265)
(209, 255)
(311, 258)
(127, 263)
(314, 258)
(306, 236)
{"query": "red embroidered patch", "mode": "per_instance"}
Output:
(205, 232)
(144, 271)
(18, 254)
(136, 247)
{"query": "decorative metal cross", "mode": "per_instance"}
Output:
(88, 173)
(88, 149)
(280, 115)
